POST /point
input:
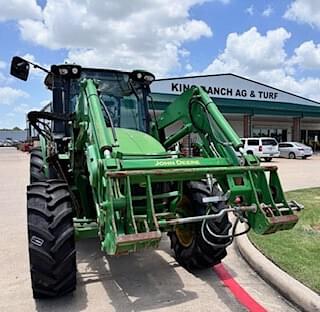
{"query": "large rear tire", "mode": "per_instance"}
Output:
(52, 251)
(191, 249)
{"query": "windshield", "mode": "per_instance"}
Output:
(123, 111)
(125, 100)
(300, 144)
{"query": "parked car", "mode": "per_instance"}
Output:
(293, 150)
(263, 147)
(7, 143)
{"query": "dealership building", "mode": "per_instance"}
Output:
(252, 108)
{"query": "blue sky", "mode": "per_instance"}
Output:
(274, 42)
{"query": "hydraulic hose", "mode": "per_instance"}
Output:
(231, 237)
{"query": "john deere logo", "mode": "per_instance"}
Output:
(177, 162)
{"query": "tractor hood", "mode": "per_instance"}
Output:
(133, 142)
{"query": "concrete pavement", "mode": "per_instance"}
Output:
(297, 173)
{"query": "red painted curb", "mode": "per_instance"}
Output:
(239, 293)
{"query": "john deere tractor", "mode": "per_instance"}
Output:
(109, 165)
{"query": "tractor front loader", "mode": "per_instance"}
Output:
(109, 166)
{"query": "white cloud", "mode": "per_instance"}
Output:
(10, 95)
(249, 10)
(5, 79)
(2, 65)
(191, 30)
(307, 55)
(22, 108)
(304, 11)
(19, 9)
(29, 57)
(2, 76)
(119, 34)
(44, 102)
(263, 58)
(267, 11)
(250, 52)
(188, 67)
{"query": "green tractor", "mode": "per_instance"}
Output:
(109, 166)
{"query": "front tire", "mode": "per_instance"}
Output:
(191, 250)
(52, 251)
(292, 155)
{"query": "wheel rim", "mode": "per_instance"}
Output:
(184, 232)
(184, 235)
(291, 156)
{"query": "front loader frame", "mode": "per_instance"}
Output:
(269, 212)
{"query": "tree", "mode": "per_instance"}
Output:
(16, 129)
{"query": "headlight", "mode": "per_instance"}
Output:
(63, 71)
(148, 78)
(142, 76)
(75, 70)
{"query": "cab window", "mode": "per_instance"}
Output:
(269, 142)
(253, 142)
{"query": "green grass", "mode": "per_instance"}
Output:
(297, 251)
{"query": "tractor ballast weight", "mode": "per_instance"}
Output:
(128, 179)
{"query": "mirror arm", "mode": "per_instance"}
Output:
(40, 67)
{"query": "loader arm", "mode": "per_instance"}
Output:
(198, 114)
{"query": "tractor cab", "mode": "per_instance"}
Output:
(123, 96)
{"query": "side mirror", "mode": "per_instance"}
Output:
(19, 68)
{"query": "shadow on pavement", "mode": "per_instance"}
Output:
(139, 281)
(135, 282)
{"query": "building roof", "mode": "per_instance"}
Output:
(229, 86)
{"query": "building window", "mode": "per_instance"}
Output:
(279, 134)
